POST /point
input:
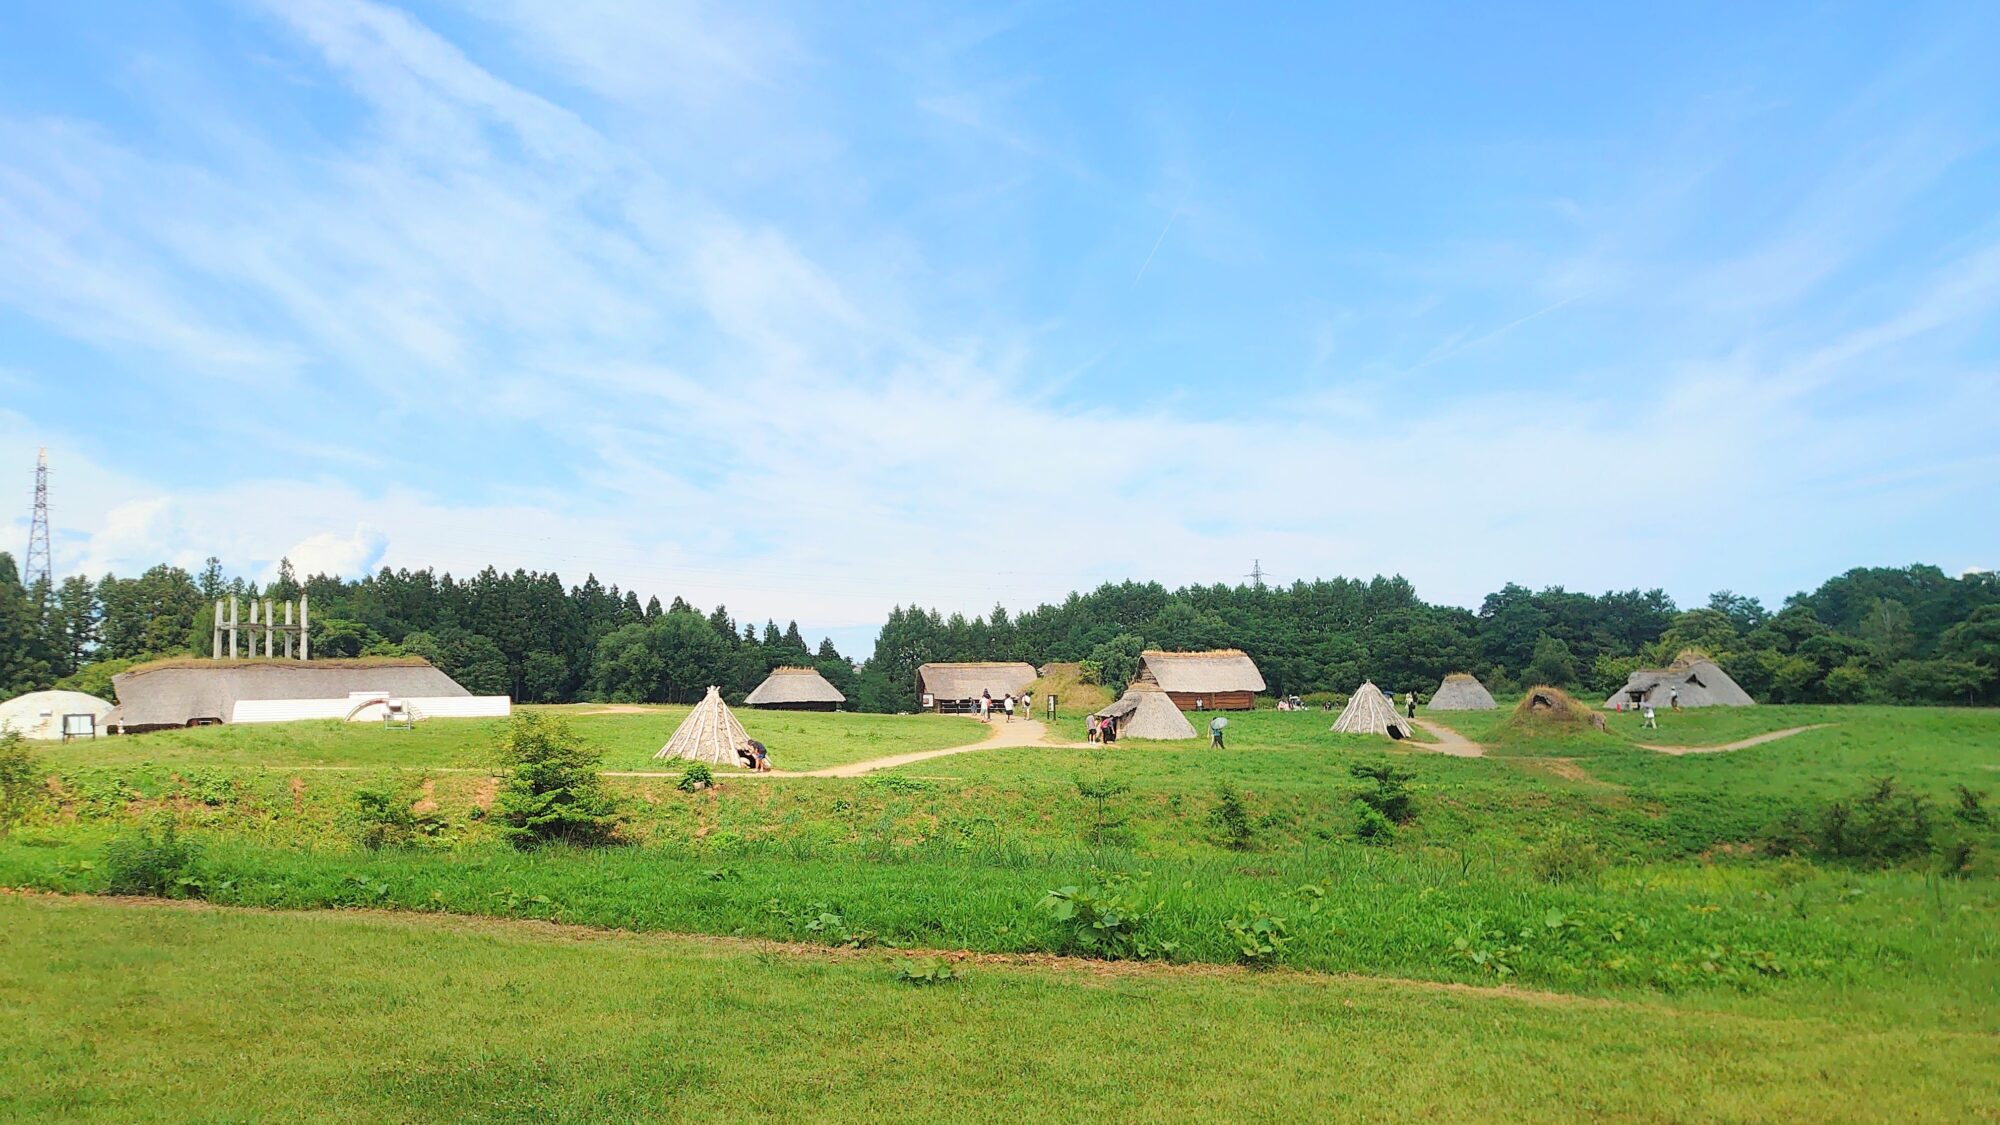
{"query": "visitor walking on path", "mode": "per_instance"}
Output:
(1674, 699)
(1007, 705)
(1093, 730)
(1215, 732)
(1650, 721)
(1413, 705)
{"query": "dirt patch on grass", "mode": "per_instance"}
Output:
(621, 709)
(298, 788)
(426, 802)
(487, 791)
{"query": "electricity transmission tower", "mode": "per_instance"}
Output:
(1256, 575)
(37, 563)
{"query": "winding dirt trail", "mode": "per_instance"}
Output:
(1448, 741)
(1739, 744)
(1020, 732)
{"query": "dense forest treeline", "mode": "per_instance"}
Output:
(1911, 634)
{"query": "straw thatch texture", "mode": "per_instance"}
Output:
(709, 734)
(1145, 711)
(39, 714)
(179, 692)
(968, 680)
(1544, 706)
(798, 688)
(1461, 692)
(1218, 672)
(1368, 711)
(1701, 681)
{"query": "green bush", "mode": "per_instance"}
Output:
(555, 793)
(1370, 826)
(1389, 791)
(1972, 806)
(381, 817)
(1565, 856)
(145, 864)
(1106, 917)
(20, 780)
(1231, 818)
(1259, 936)
(926, 971)
(697, 778)
(1885, 825)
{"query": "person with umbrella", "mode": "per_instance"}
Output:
(1215, 732)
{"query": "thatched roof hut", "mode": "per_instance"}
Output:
(1218, 680)
(191, 692)
(796, 689)
(709, 734)
(1543, 706)
(1699, 680)
(44, 715)
(1461, 691)
(1144, 711)
(958, 686)
(1368, 711)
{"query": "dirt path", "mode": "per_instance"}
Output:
(1020, 732)
(1448, 741)
(1739, 744)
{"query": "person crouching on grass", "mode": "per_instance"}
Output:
(760, 758)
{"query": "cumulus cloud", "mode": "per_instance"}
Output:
(521, 332)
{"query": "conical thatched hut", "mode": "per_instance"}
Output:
(1145, 711)
(1461, 691)
(796, 689)
(1370, 712)
(1699, 680)
(709, 734)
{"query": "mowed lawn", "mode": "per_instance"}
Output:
(148, 1012)
(628, 738)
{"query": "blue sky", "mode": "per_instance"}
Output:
(813, 311)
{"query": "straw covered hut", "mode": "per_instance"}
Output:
(192, 692)
(1461, 691)
(796, 689)
(52, 715)
(1144, 711)
(1219, 680)
(956, 688)
(1368, 711)
(1699, 680)
(710, 734)
(1543, 707)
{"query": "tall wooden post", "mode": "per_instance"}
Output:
(234, 608)
(305, 631)
(288, 630)
(216, 632)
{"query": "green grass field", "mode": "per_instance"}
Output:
(155, 1013)
(628, 741)
(1677, 913)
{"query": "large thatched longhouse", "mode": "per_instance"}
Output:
(956, 688)
(795, 689)
(189, 693)
(1220, 680)
(1700, 682)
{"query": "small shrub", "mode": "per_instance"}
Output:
(1259, 936)
(1105, 828)
(1105, 917)
(1972, 806)
(1370, 826)
(1565, 856)
(381, 818)
(145, 864)
(1955, 856)
(1885, 825)
(1231, 818)
(555, 792)
(697, 778)
(20, 772)
(894, 784)
(1389, 791)
(924, 972)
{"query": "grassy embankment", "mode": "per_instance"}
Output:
(154, 1013)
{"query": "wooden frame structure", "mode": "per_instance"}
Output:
(272, 631)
